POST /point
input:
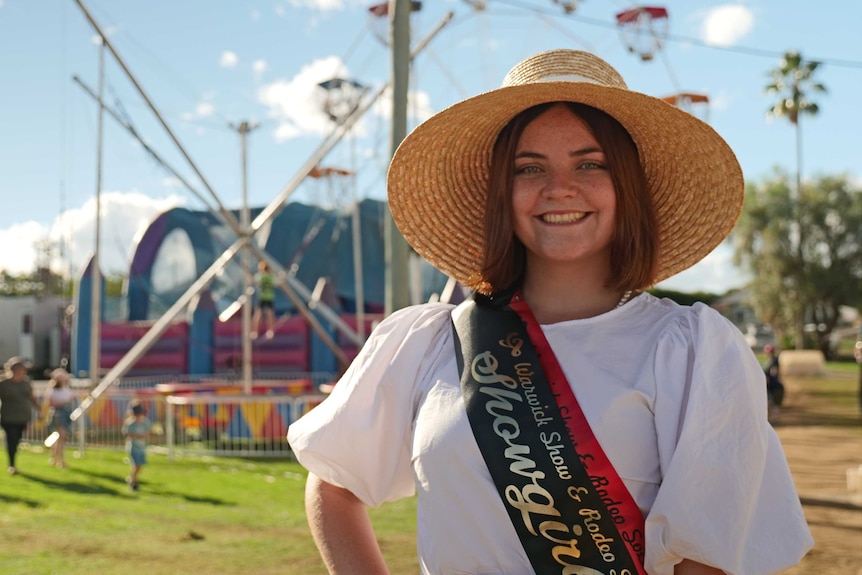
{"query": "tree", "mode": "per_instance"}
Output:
(685, 298)
(41, 283)
(791, 81)
(825, 227)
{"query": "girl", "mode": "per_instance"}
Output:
(562, 420)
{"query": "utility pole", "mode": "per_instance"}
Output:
(244, 129)
(95, 271)
(396, 248)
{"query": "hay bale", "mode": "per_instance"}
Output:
(802, 362)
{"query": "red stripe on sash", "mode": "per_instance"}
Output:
(625, 512)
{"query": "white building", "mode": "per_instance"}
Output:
(32, 328)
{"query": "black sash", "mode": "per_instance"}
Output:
(564, 521)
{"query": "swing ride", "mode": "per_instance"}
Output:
(643, 30)
(695, 104)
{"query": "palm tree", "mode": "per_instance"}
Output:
(792, 80)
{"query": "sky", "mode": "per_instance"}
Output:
(206, 66)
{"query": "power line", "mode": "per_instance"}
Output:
(760, 52)
(763, 52)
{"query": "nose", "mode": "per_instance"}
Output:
(562, 183)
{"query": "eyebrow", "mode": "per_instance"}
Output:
(581, 152)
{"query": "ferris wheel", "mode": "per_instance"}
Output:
(643, 29)
(380, 19)
(695, 104)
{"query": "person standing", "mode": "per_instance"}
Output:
(774, 387)
(60, 400)
(265, 301)
(17, 403)
(136, 430)
(533, 444)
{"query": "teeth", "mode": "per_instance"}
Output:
(563, 218)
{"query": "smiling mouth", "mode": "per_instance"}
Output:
(563, 218)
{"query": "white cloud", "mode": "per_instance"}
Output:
(720, 101)
(322, 5)
(297, 104)
(205, 109)
(172, 182)
(125, 215)
(19, 251)
(418, 106)
(110, 31)
(259, 67)
(727, 24)
(228, 59)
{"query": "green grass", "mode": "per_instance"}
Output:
(839, 387)
(192, 515)
(842, 367)
(829, 400)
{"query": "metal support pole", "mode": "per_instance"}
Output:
(395, 247)
(358, 275)
(244, 129)
(95, 271)
(81, 429)
(169, 427)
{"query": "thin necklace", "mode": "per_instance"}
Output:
(626, 297)
(623, 300)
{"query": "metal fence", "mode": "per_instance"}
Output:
(201, 415)
(240, 425)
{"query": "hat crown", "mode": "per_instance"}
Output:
(564, 66)
(16, 361)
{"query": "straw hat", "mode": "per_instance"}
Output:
(438, 178)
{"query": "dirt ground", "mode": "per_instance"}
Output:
(821, 442)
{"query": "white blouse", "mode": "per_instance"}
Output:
(672, 393)
(59, 396)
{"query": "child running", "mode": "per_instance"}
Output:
(136, 431)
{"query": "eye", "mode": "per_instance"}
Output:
(591, 165)
(527, 169)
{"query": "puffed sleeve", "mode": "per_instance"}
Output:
(359, 437)
(727, 498)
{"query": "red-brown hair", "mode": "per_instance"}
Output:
(634, 246)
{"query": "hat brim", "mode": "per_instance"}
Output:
(438, 177)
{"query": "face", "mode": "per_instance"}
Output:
(563, 201)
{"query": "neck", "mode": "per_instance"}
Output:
(561, 297)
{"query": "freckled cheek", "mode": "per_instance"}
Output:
(521, 209)
(523, 199)
(602, 196)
